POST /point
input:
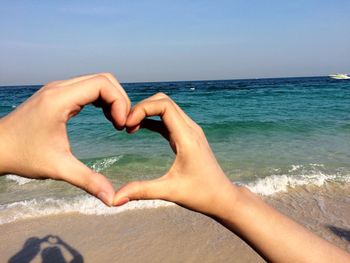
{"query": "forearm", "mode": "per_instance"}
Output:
(4, 151)
(275, 236)
(196, 181)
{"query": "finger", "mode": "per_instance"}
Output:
(161, 95)
(155, 126)
(107, 112)
(99, 87)
(120, 88)
(71, 81)
(111, 78)
(163, 108)
(76, 173)
(156, 96)
(142, 190)
(187, 119)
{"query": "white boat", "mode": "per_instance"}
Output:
(339, 76)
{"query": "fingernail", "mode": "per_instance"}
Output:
(104, 198)
(121, 201)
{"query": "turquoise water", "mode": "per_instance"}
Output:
(253, 126)
(282, 132)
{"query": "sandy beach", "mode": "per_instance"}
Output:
(97, 95)
(168, 234)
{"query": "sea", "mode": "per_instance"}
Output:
(271, 135)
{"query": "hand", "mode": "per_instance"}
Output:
(34, 141)
(51, 239)
(195, 180)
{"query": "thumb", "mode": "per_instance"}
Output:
(142, 190)
(96, 184)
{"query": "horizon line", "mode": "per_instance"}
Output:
(191, 80)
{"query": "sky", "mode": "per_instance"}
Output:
(165, 40)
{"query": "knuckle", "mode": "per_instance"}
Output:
(101, 78)
(89, 184)
(51, 84)
(138, 189)
(108, 75)
(161, 95)
(46, 95)
(193, 139)
(139, 107)
(198, 129)
(167, 102)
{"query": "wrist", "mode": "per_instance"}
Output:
(234, 202)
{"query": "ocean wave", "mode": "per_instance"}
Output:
(297, 176)
(85, 204)
(281, 183)
(97, 166)
(18, 179)
(104, 163)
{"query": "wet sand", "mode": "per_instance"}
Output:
(168, 234)
(324, 210)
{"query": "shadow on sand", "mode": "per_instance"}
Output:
(340, 232)
(50, 249)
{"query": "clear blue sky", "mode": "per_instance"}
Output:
(155, 40)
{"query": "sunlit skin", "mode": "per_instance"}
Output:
(196, 181)
(34, 144)
(34, 141)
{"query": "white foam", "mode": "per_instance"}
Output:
(97, 166)
(89, 205)
(103, 164)
(82, 204)
(280, 183)
(316, 164)
(18, 179)
(295, 167)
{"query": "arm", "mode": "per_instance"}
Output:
(56, 240)
(34, 141)
(196, 181)
(276, 237)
